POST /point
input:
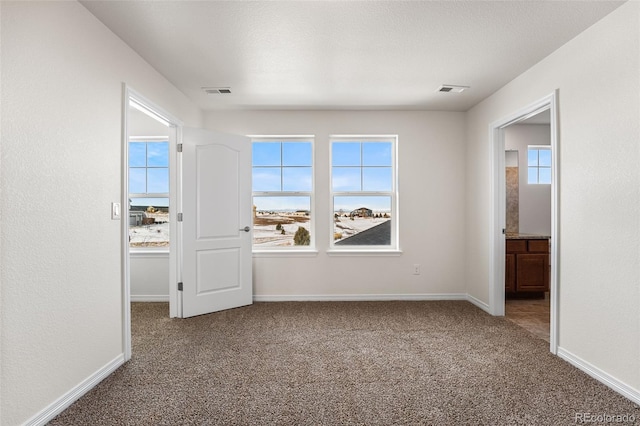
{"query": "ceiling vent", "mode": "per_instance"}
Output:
(451, 88)
(217, 90)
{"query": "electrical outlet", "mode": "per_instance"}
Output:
(416, 269)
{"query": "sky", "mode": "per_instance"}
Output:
(282, 166)
(356, 166)
(539, 166)
(149, 172)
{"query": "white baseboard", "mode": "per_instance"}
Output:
(479, 303)
(338, 297)
(55, 408)
(601, 376)
(149, 298)
(355, 297)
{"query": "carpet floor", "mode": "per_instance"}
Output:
(341, 363)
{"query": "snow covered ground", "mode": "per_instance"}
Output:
(152, 235)
(265, 233)
(264, 229)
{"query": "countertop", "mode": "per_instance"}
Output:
(518, 236)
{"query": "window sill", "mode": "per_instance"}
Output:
(361, 252)
(149, 252)
(285, 253)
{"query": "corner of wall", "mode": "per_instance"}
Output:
(63, 402)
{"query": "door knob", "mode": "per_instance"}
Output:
(245, 229)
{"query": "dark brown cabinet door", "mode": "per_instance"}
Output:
(510, 273)
(538, 246)
(516, 246)
(532, 272)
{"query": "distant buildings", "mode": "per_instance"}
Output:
(362, 212)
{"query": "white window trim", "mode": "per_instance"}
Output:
(293, 251)
(394, 248)
(285, 252)
(539, 147)
(357, 251)
(145, 251)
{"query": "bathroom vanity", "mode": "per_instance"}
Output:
(527, 264)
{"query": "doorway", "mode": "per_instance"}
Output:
(498, 254)
(202, 179)
(528, 223)
(148, 130)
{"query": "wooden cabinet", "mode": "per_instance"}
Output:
(527, 266)
(510, 273)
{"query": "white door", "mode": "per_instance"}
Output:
(216, 233)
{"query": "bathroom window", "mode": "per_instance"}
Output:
(539, 165)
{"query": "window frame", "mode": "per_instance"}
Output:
(289, 250)
(538, 167)
(132, 195)
(394, 247)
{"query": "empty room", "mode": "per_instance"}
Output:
(319, 212)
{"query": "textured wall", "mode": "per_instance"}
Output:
(62, 74)
(431, 184)
(599, 236)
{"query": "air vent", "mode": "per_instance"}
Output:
(217, 90)
(451, 88)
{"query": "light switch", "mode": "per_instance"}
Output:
(115, 211)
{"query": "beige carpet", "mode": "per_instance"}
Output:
(341, 363)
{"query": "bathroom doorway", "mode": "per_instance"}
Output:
(499, 266)
(528, 223)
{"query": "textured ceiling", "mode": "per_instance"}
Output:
(345, 54)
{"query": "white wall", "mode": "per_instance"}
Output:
(431, 179)
(140, 124)
(149, 274)
(599, 236)
(62, 74)
(534, 200)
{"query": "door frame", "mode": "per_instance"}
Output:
(174, 126)
(498, 207)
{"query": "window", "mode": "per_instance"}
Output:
(283, 193)
(148, 193)
(364, 192)
(539, 164)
